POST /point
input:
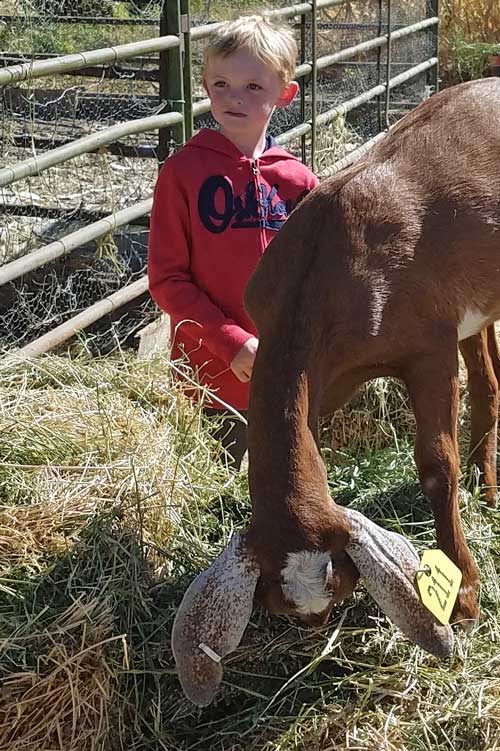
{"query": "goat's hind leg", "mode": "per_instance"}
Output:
(481, 358)
(432, 381)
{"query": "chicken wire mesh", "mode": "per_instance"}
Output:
(48, 112)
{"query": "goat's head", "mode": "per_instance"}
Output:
(218, 604)
(306, 584)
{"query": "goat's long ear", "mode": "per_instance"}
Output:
(388, 563)
(211, 620)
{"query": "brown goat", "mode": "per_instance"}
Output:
(381, 271)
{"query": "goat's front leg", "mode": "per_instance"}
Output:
(481, 359)
(432, 381)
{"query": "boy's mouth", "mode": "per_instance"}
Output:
(235, 114)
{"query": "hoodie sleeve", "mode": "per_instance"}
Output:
(170, 281)
(311, 180)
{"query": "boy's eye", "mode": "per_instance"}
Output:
(254, 87)
(219, 84)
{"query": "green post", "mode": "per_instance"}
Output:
(171, 78)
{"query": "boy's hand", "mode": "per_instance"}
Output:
(242, 363)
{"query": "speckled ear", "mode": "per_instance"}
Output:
(211, 620)
(388, 564)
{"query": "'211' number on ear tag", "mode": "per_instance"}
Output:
(438, 582)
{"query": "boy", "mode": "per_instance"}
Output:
(218, 202)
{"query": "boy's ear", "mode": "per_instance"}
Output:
(288, 94)
(204, 84)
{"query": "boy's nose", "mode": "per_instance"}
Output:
(237, 97)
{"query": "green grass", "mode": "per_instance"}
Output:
(111, 502)
(468, 33)
(66, 39)
(26, 36)
(471, 58)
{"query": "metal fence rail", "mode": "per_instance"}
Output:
(68, 329)
(70, 63)
(37, 164)
(15, 269)
(351, 104)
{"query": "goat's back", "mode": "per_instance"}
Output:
(449, 146)
(415, 224)
(424, 209)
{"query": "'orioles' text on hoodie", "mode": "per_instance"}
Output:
(214, 213)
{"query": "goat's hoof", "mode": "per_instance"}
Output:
(466, 611)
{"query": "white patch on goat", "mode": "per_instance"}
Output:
(380, 294)
(472, 323)
(304, 579)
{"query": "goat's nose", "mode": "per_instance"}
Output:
(316, 619)
(344, 578)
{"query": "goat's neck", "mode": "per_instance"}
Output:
(286, 473)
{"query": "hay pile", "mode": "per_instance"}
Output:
(110, 501)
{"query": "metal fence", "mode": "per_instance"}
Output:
(75, 191)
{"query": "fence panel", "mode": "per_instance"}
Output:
(79, 133)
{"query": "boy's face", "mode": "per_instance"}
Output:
(244, 92)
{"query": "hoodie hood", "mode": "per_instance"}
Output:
(213, 140)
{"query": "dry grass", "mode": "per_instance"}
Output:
(65, 700)
(475, 21)
(467, 28)
(111, 502)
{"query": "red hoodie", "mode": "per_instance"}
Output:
(214, 213)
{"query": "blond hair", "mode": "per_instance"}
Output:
(273, 45)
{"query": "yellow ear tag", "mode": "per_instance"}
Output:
(438, 582)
